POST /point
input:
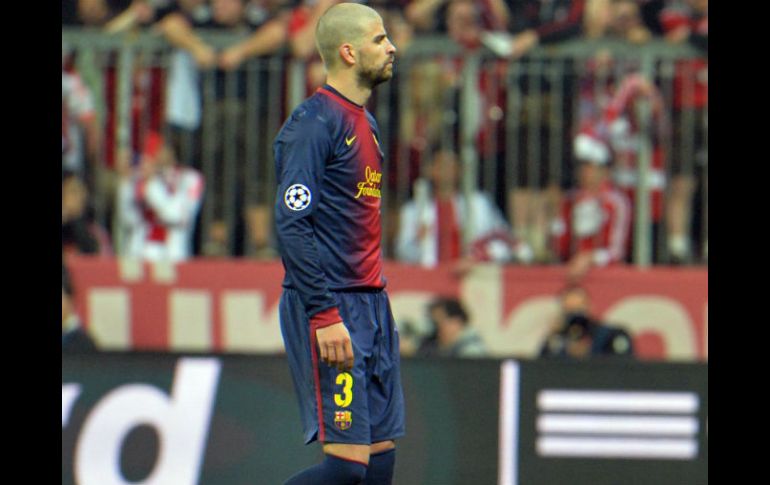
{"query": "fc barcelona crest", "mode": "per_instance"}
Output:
(343, 419)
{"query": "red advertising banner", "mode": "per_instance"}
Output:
(232, 305)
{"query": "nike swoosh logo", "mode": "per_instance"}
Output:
(350, 140)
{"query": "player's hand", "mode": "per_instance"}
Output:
(335, 346)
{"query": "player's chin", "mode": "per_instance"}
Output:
(386, 73)
(381, 78)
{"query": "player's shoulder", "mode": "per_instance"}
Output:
(311, 117)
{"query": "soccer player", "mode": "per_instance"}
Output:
(337, 326)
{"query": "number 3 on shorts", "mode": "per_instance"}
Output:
(345, 380)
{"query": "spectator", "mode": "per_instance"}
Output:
(263, 28)
(433, 88)
(578, 335)
(93, 13)
(537, 172)
(423, 14)
(74, 337)
(597, 18)
(79, 233)
(138, 13)
(453, 335)
(650, 13)
(268, 24)
(686, 21)
(437, 16)
(594, 224)
(430, 114)
(464, 24)
(301, 38)
(627, 22)
(431, 226)
(534, 22)
(80, 132)
(609, 98)
(177, 22)
(618, 19)
(267, 33)
(158, 205)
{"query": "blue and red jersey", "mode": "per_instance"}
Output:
(327, 209)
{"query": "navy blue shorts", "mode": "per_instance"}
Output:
(364, 405)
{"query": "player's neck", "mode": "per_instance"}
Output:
(349, 88)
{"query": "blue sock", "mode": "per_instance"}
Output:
(331, 471)
(380, 470)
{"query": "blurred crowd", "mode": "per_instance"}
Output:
(153, 193)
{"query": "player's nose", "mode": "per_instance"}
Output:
(391, 49)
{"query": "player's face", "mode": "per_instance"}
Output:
(377, 56)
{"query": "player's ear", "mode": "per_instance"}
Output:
(348, 54)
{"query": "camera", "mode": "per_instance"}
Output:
(576, 325)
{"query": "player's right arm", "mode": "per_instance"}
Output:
(302, 150)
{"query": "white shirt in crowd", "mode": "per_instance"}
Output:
(480, 216)
(157, 216)
(77, 106)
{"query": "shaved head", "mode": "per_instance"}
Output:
(344, 23)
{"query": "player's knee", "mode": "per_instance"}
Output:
(355, 474)
(347, 472)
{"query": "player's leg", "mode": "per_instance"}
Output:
(386, 400)
(340, 418)
(382, 462)
(343, 464)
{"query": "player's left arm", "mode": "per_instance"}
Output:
(301, 152)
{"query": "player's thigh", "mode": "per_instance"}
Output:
(344, 406)
(385, 394)
(359, 453)
(381, 446)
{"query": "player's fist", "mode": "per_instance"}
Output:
(335, 346)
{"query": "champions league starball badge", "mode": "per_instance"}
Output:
(297, 197)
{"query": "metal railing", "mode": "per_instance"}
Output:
(511, 122)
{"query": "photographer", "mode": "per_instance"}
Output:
(452, 334)
(579, 335)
